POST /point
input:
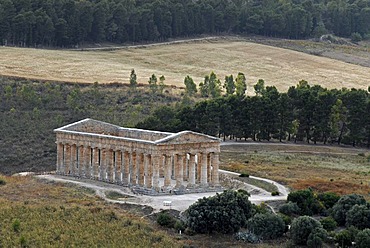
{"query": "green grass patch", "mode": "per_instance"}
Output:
(114, 195)
(259, 183)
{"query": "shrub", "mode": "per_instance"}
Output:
(244, 175)
(275, 193)
(363, 239)
(164, 219)
(302, 227)
(328, 199)
(328, 223)
(316, 238)
(290, 208)
(247, 237)
(179, 226)
(267, 226)
(344, 204)
(346, 237)
(16, 225)
(356, 37)
(359, 216)
(226, 212)
(2, 181)
(306, 201)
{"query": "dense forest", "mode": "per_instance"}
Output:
(304, 113)
(67, 23)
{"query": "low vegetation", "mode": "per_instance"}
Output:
(39, 214)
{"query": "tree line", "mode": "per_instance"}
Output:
(67, 23)
(303, 113)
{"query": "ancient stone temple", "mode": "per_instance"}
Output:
(148, 161)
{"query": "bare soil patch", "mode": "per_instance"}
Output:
(277, 66)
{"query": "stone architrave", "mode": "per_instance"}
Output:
(127, 156)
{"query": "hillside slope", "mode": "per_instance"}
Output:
(277, 66)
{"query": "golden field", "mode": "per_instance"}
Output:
(277, 66)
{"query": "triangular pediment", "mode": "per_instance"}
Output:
(91, 126)
(187, 137)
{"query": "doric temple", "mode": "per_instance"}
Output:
(145, 160)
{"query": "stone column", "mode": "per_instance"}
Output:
(149, 171)
(103, 162)
(133, 172)
(215, 166)
(118, 167)
(156, 161)
(81, 161)
(126, 169)
(203, 172)
(199, 167)
(179, 170)
(186, 167)
(110, 166)
(95, 163)
(87, 159)
(140, 163)
(209, 175)
(191, 170)
(67, 159)
(167, 170)
(60, 156)
(74, 160)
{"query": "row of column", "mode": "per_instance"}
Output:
(132, 168)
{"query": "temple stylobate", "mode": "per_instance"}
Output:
(147, 161)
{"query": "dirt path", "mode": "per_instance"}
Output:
(112, 48)
(178, 202)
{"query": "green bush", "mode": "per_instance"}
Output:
(2, 181)
(275, 193)
(344, 238)
(363, 239)
(267, 226)
(356, 37)
(247, 237)
(344, 204)
(164, 219)
(359, 216)
(225, 213)
(289, 208)
(316, 238)
(328, 199)
(306, 201)
(179, 226)
(328, 223)
(301, 229)
(244, 175)
(16, 225)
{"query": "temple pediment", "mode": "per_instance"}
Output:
(187, 137)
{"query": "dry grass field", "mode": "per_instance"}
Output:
(277, 66)
(324, 168)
